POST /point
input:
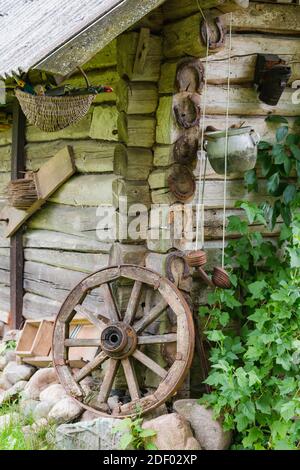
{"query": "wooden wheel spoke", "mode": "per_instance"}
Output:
(131, 379)
(109, 377)
(110, 303)
(148, 362)
(155, 339)
(133, 302)
(81, 342)
(88, 368)
(150, 317)
(90, 316)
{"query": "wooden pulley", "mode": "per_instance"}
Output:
(124, 338)
(182, 183)
(186, 148)
(190, 75)
(187, 109)
(220, 278)
(213, 31)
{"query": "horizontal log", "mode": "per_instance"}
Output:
(244, 55)
(132, 163)
(244, 100)
(81, 130)
(214, 194)
(108, 77)
(104, 123)
(107, 57)
(136, 131)
(175, 9)
(127, 254)
(272, 18)
(153, 21)
(5, 156)
(90, 156)
(4, 277)
(61, 241)
(137, 97)
(86, 190)
(83, 262)
(126, 53)
(37, 307)
(78, 221)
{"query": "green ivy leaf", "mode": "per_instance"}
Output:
(289, 193)
(286, 214)
(235, 224)
(281, 133)
(257, 288)
(250, 179)
(295, 151)
(277, 119)
(288, 410)
(262, 145)
(126, 440)
(273, 182)
(147, 433)
(150, 446)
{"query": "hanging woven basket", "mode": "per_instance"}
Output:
(52, 113)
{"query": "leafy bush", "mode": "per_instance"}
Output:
(133, 435)
(254, 328)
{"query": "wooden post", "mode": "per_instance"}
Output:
(16, 241)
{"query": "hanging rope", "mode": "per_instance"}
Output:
(202, 174)
(226, 142)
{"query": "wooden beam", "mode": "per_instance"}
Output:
(16, 242)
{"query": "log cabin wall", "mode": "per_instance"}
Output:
(124, 146)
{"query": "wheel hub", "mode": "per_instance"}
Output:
(118, 340)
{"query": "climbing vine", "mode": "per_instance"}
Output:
(254, 328)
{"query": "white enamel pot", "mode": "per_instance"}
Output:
(242, 149)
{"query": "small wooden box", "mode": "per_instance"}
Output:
(35, 339)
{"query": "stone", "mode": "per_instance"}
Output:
(159, 411)
(5, 383)
(35, 427)
(208, 431)
(173, 432)
(28, 407)
(13, 392)
(53, 393)
(11, 355)
(89, 416)
(39, 381)
(14, 372)
(65, 411)
(3, 362)
(6, 420)
(42, 410)
(89, 435)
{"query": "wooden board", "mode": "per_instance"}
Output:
(48, 179)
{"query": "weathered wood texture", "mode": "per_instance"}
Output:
(136, 97)
(175, 9)
(126, 53)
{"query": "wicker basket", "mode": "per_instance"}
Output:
(52, 113)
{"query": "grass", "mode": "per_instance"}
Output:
(12, 436)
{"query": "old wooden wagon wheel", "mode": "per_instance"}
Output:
(122, 339)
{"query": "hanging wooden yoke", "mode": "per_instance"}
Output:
(123, 340)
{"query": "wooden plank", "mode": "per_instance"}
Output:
(126, 53)
(271, 18)
(46, 239)
(142, 51)
(50, 176)
(175, 9)
(16, 243)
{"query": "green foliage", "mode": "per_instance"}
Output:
(253, 330)
(8, 346)
(279, 162)
(134, 436)
(12, 436)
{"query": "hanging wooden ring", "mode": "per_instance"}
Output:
(221, 31)
(221, 278)
(190, 75)
(187, 111)
(182, 183)
(196, 258)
